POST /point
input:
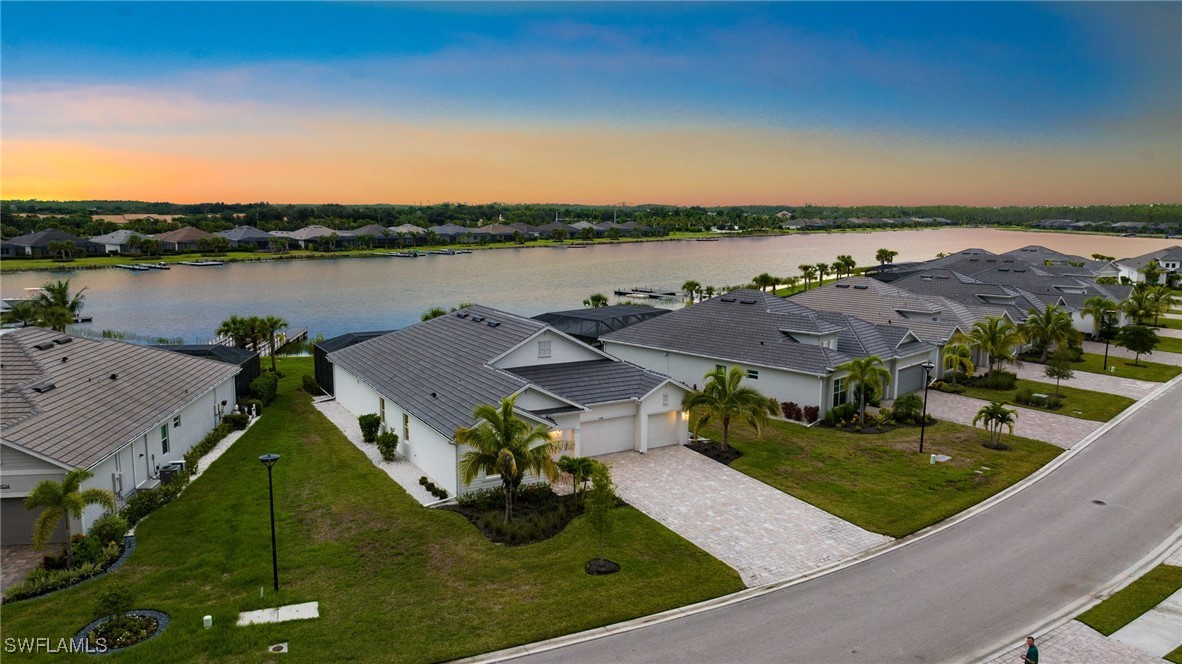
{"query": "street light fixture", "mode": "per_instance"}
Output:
(1106, 331)
(923, 421)
(269, 461)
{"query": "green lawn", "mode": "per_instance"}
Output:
(1169, 344)
(880, 482)
(1137, 598)
(1175, 655)
(1172, 323)
(1149, 371)
(1084, 404)
(396, 582)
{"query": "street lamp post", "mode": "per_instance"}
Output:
(269, 461)
(923, 420)
(1106, 330)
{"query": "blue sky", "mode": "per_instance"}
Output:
(983, 82)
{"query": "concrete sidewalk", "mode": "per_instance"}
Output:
(763, 533)
(1085, 380)
(1050, 428)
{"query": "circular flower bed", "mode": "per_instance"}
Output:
(136, 626)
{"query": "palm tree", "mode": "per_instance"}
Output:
(762, 281)
(1151, 272)
(995, 416)
(723, 397)
(55, 318)
(57, 295)
(869, 374)
(1052, 325)
(808, 272)
(596, 300)
(64, 499)
(433, 312)
(692, 288)
(958, 358)
(790, 282)
(1098, 307)
(884, 256)
(996, 337)
(504, 445)
(26, 313)
(1163, 300)
(822, 270)
(237, 329)
(1141, 304)
(845, 262)
(709, 292)
(269, 326)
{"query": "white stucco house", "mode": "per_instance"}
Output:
(790, 352)
(1169, 263)
(119, 410)
(425, 380)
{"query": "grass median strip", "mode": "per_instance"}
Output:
(1138, 597)
(1122, 368)
(879, 481)
(395, 581)
(1083, 404)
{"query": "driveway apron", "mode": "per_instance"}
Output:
(763, 533)
(1050, 428)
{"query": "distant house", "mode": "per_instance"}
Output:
(37, 244)
(118, 242)
(493, 233)
(379, 235)
(407, 234)
(317, 235)
(185, 238)
(242, 237)
(119, 410)
(1169, 262)
(452, 233)
(789, 352)
(425, 380)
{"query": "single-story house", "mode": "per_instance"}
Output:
(248, 360)
(185, 238)
(247, 236)
(590, 323)
(317, 235)
(790, 352)
(37, 244)
(120, 410)
(118, 242)
(1169, 263)
(424, 381)
(322, 368)
(452, 233)
(407, 233)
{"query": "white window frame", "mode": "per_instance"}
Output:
(176, 421)
(842, 395)
(544, 348)
(163, 439)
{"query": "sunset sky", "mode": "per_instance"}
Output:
(694, 104)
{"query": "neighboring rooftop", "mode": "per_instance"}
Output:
(594, 322)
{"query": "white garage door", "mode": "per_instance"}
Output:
(606, 436)
(662, 429)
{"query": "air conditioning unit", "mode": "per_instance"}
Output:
(171, 470)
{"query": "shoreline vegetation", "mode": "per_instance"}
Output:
(22, 264)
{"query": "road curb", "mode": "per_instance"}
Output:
(758, 591)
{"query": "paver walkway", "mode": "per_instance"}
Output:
(1086, 380)
(1050, 428)
(1169, 332)
(17, 560)
(1161, 357)
(763, 533)
(1077, 643)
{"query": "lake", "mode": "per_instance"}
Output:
(355, 294)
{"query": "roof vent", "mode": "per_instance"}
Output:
(478, 319)
(44, 345)
(1019, 269)
(493, 323)
(42, 388)
(746, 301)
(114, 376)
(65, 359)
(860, 287)
(461, 314)
(842, 285)
(62, 340)
(1003, 269)
(941, 276)
(727, 299)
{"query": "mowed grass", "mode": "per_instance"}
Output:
(1169, 344)
(1147, 371)
(1083, 404)
(880, 481)
(396, 582)
(1137, 598)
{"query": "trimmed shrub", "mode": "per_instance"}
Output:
(370, 423)
(996, 380)
(265, 387)
(1024, 396)
(791, 410)
(109, 528)
(236, 421)
(388, 445)
(841, 413)
(886, 415)
(951, 388)
(41, 581)
(908, 407)
(311, 386)
(143, 503)
(207, 443)
(811, 413)
(245, 405)
(1054, 402)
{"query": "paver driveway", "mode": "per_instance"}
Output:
(1085, 380)
(1160, 357)
(763, 533)
(1050, 428)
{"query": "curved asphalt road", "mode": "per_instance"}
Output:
(962, 589)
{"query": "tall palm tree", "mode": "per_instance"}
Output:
(723, 397)
(1152, 272)
(1163, 300)
(237, 329)
(866, 373)
(822, 270)
(996, 337)
(55, 318)
(504, 445)
(692, 288)
(762, 281)
(1098, 308)
(1140, 305)
(269, 326)
(995, 416)
(709, 292)
(958, 358)
(847, 263)
(1050, 326)
(808, 272)
(884, 256)
(64, 499)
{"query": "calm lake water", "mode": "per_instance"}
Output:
(355, 294)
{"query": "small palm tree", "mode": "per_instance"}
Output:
(884, 256)
(958, 358)
(724, 398)
(1163, 300)
(57, 296)
(25, 313)
(822, 270)
(504, 445)
(1142, 304)
(868, 373)
(270, 326)
(691, 289)
(996, 337)
(237, 329)
(433, 312)
(1051, 326)
(1098, 308)
(64, 499)
(994, 417)
(596, 300)
(808, 272)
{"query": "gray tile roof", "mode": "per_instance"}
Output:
(116, 237)
(751, 327)
(241, 233)
(439, 370)
(88, 414)
(882, 303)
(596, 381)
(1137, 262)
(43, 238)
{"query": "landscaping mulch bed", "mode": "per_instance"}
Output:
(537, 516)
(599, 567)
(715, 451)
(139, 625)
